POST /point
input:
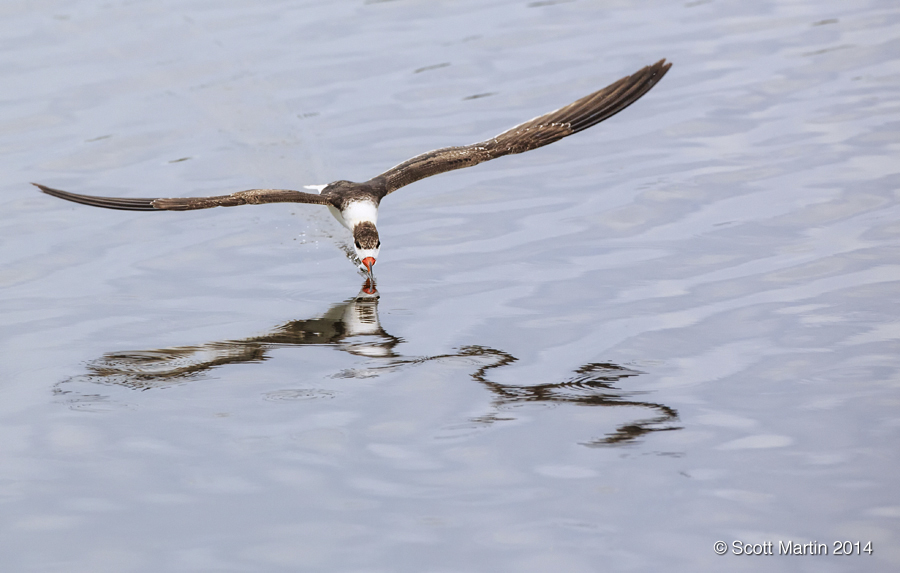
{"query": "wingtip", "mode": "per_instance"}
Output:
(59, 193)
(660, 66)
(655, 72)
(48, 190)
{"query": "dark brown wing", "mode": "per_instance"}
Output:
(250, 197)
(544, 130)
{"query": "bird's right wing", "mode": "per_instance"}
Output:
(249, 197)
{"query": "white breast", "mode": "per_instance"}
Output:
(355, 213)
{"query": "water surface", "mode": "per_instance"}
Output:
(675, 328)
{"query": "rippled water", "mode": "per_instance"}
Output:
(676, 328)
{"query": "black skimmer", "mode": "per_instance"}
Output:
(355, 205)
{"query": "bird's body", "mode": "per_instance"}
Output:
(355, 205)
(355, 212)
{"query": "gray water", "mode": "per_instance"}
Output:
(676, 328)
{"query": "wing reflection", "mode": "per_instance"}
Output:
(353, 326)
(592, 385)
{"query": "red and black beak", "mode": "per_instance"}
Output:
(369, 262)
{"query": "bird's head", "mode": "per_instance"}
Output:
(367, 245)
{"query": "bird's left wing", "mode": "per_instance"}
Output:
(543, 130)
(249, 197)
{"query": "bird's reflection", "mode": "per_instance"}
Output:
(353, 326)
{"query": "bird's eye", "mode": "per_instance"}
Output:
(358, 246)
(378, 245)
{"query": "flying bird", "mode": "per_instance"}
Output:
(355, 205)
